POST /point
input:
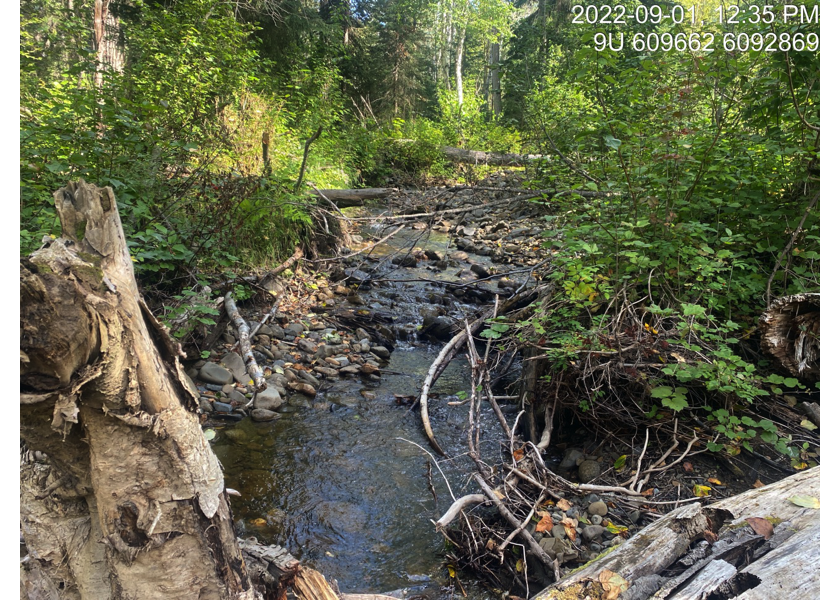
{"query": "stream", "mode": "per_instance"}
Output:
(333, 481)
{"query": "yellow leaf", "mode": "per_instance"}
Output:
(805, 501)
(616, 529)
(808, 425)
(519, 566)
(451, 572)
(620, 462)
(701, 491)
(499, 494)
(715, 481)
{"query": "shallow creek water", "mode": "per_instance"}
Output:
(332, 482)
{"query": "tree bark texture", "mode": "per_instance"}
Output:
(715, 551)
(130, 500)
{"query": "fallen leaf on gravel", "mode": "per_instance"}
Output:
(545, 523)
(618, 465)
(616, 529)
(761, 526)
(688, 467)
(648, 492)
(613, 584)
(758, 484)
(563, 504)
(701, 491)
(519, 454)
(805, 501)
(715, 480)
(808, 425)
(569, 525)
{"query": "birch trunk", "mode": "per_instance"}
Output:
(459, 63)
(127, 499)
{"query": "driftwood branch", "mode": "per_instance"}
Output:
(529, 540)
(297, 255)
(457, 506)
(496, 159)
(446, 355)
(245, 343)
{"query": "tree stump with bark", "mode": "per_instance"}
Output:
(127, 499)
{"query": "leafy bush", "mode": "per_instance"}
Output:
(698, 193)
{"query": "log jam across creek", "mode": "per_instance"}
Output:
(335, 478)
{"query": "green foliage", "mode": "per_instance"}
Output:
(705, 167)
(189, 309)
(177, 134)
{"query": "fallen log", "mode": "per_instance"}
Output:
(496, 159)
(763, 543)
(346, 198)
(790, 334)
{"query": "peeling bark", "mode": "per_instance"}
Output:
(131, 503)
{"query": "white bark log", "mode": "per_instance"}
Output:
(789, 567)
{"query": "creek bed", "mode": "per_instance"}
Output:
(330, 480)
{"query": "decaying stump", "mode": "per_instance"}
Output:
(121, 495)
(769, 549)
(790, 333)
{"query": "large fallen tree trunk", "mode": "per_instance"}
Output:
(762, 544)
(121, 494)
(345, 198)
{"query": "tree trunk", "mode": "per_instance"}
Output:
(105, 37)
(459, 65)
(495, 85)
(121, 495)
